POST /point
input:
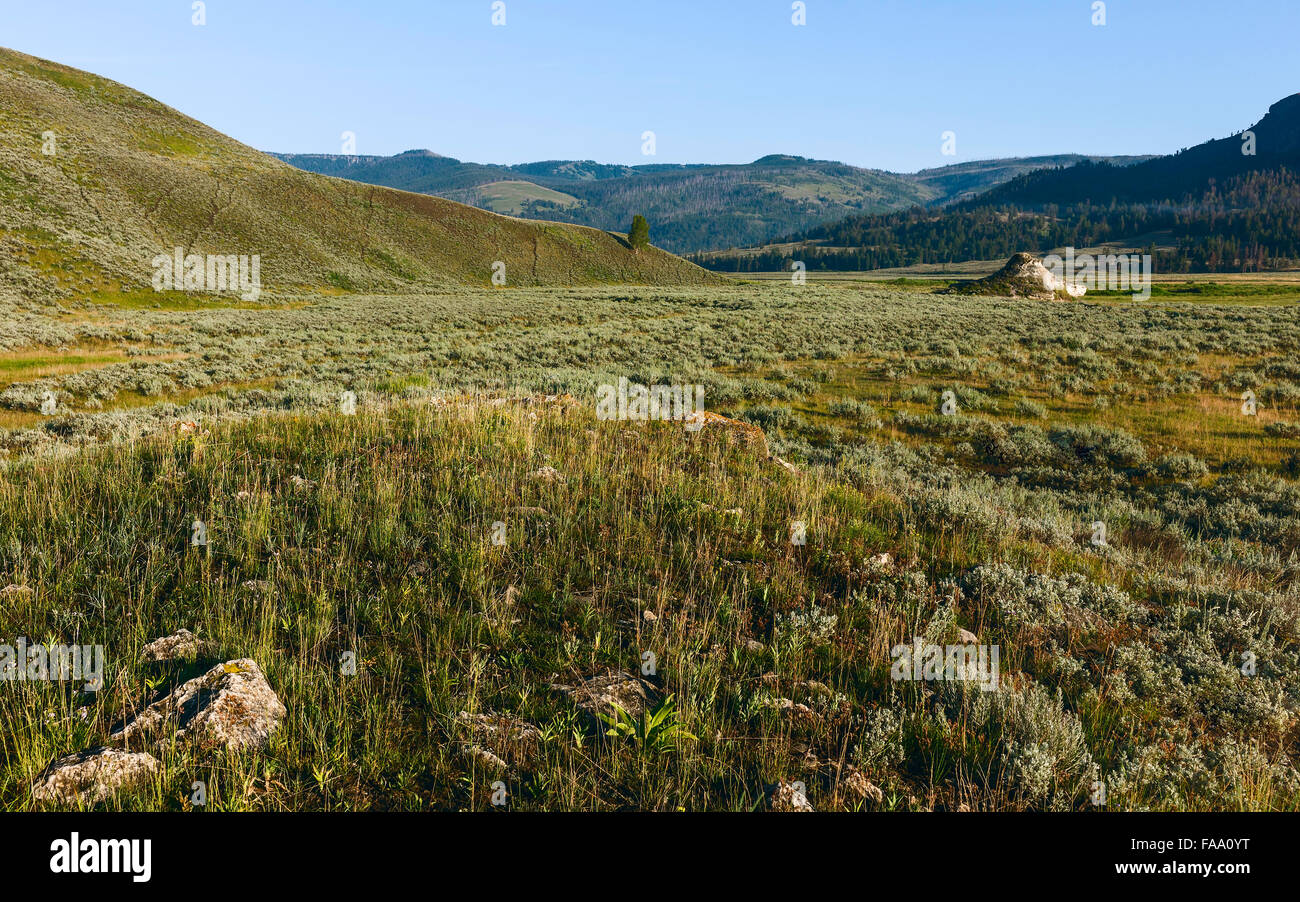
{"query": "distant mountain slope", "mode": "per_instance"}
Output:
(690, 207)
(131, 179)
(1210, 208)
(1188, 173)
(962, 181)
(421, 171)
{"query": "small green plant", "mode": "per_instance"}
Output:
(1291, 465)
(657, 729)
(340, 281)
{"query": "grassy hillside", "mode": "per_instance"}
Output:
(131, 178)
(514, 197)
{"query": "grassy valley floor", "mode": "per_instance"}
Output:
(479, 551)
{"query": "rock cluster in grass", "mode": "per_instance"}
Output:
(231, 707)
(496, 740)
(749, 435)
(603, 695)
(708, 422)
(857, 787)
(788, 797)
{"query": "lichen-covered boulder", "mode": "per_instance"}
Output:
(498, 738)
(232, 706)
(93, 775)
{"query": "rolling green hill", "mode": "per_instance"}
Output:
(513, 196)
(96, 180)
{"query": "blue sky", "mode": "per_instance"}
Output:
(870, 82)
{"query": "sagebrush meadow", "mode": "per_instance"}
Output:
(369, 512)
(1123, 663)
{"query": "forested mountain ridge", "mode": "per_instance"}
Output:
(1227, 205)
(691, 207)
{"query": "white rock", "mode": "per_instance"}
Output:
(485, 758)
(93, 775)
(789, 797)
(180, 644)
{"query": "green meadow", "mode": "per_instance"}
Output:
(474, 539)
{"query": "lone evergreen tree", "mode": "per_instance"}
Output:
(639, 235)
